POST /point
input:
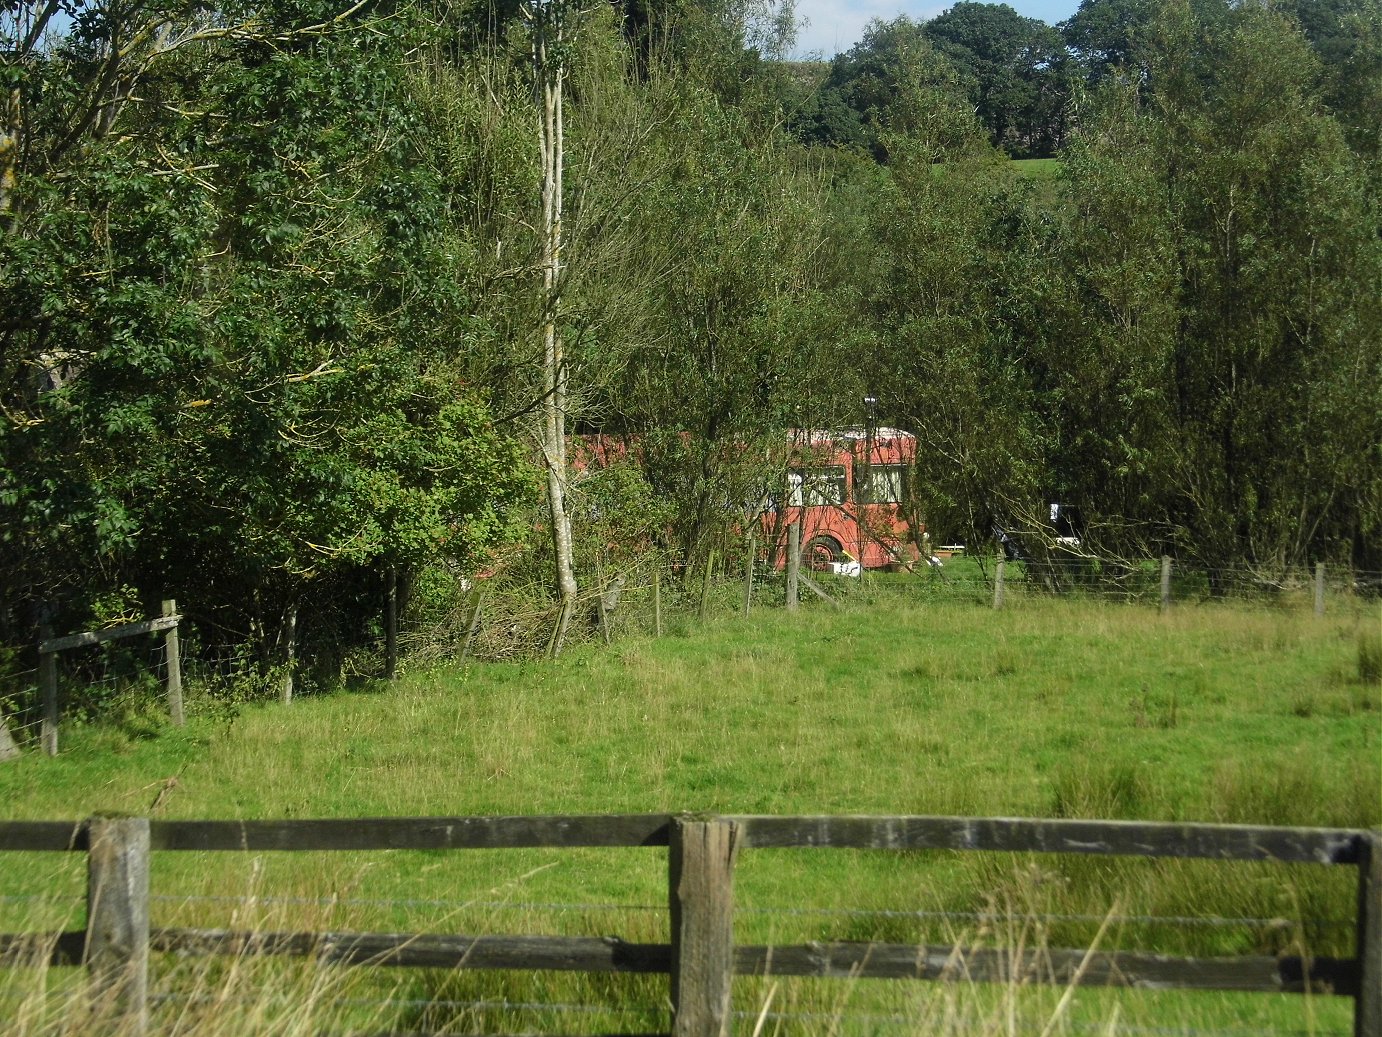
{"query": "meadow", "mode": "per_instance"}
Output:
(896, 703)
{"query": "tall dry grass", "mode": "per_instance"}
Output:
(244, 994)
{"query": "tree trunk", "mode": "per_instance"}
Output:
(288, 644)
(551, 72)
(10, 147)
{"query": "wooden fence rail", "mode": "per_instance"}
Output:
(49, 647)
(702, 957)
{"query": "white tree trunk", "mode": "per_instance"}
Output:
(553, 430)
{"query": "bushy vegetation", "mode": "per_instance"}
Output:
(282, 312)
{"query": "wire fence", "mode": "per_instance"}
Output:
(452, 907)
(637, 1006)
(1078, 577)
(833, 1021)
(1027, 962)
(120, 683)
(504, 618)
(497, 619)
(967, 917)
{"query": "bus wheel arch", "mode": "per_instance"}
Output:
(821, 552)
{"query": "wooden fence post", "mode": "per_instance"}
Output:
(748, 574)
(1319, 588)
(793, 563)
(1367, 1006)
(290, 648)
(48, 691)
(701, 890)
(657, 601)
(998, 584)
(391, 625)
(1165, 583)
(9, 748)
(172, 651)
(705, 584)
(474, 624)
(117, 918)
(602, 603)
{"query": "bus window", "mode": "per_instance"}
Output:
(817, 486)
(881, 484)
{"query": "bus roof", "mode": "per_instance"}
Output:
(834, 435)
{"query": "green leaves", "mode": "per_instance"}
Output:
(244, 294)
(1224, 252)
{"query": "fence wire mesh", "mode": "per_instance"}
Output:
(501, 618)
(497, 620)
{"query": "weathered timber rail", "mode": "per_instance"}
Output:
(49, 648)
(702, 957)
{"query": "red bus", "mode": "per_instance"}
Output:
(848, 489)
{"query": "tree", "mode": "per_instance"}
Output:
(888, 81)
(953, 356)
(549, 28)
(1105, 36)
(254, 401)
(1227, 247)
(739, 345)
(561, 286)
(1017, 70)
(1346, 36)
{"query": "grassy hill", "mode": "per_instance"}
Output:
(892, 705)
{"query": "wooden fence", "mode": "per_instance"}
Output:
(702, 957)
(50, 647)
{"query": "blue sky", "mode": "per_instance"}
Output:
(836, 25)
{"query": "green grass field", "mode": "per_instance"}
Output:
(894, 704)
(1039, 168)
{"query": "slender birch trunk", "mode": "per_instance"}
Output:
(11, 128)
(551, 71)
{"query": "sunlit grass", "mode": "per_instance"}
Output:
(897, 703)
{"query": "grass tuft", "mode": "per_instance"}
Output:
(1118, 789)
(1370, 657)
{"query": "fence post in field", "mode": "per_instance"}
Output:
(48, 691)
(701, 892)
(748, 574)
(117, 918)
(603, 604)
(705, 583)
(998, 584)
(1165, 583)
(290, 647)
(657, 601)
(474, 624)
(391, 626)
(1367, 1006)
(172, 652)
(1319, 588)
(793, 563)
